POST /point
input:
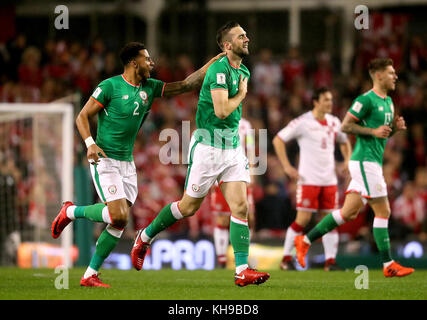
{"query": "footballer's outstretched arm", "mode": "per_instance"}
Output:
(223, 105)
(192, 82)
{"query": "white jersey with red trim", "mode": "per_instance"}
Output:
(316, 142)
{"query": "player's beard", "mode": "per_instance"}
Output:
(241, 52)
(143, 73)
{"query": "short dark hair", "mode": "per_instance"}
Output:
(223, 31)
(379, 64)
(318, 92)
(130, 51)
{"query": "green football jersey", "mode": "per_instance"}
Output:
(211, 130)
(372, 110)
(125, 107)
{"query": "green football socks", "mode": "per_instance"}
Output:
(239, 239)
(107, 241)
(382, 239)
(166, 217)
(327, 224)
(97, 213)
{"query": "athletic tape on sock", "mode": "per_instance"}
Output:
(380, 222)
(114, 231)
(239, 221)
(175, 211)
(106, 216)
(338, 217)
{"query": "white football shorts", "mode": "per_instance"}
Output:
(208, 164)
(115, 179)
(367, 179)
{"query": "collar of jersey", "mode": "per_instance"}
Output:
(128, 81)
(382, 97)
(232, 64)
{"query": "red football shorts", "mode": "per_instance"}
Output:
(317, 198)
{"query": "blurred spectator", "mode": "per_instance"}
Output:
(267, 76)
(292, 67)
(16, 48)
(323, 74)
(409, 210)
(418, 143)
(163, 70)
(417, 54)
(29, 71)
(184, 67)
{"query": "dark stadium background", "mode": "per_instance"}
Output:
(39, 63)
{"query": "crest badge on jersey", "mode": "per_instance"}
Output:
(143, 95)
(112, 189)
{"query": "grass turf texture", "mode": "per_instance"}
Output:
(39, 284)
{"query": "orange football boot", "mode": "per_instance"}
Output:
(396, 270)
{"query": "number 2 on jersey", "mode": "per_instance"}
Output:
(136, 108)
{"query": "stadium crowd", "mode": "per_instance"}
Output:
(280, 89)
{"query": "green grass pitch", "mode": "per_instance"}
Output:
(39, 284)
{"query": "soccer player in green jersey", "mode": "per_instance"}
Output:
(122, 103)
(371, 119)
(216, 155)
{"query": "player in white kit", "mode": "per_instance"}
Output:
(219, 206)
(316, 132)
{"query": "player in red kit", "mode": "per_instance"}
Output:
(316, 132)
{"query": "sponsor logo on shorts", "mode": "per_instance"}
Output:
(379, 187)
(195, 188)
(306, 202)
(112, 189)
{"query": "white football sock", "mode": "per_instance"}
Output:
(386, 264)
(89, 272)
(241, 268)
(289, 240)
(144, 237)
(330, 244)
(70, 212)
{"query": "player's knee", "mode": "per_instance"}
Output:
(120, 217)
(189, 209)
(302, 220)
(240, 209)
(350, 214)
